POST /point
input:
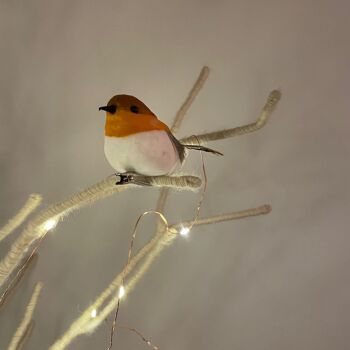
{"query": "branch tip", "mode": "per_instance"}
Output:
(272, 100)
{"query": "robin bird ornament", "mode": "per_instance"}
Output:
(137, 142)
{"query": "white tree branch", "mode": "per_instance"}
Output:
(23, 326)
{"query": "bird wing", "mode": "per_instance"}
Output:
(178, 146)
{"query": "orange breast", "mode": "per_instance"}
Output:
(126, 123)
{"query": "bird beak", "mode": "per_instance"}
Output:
(110, 109)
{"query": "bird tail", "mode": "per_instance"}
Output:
(204, 149)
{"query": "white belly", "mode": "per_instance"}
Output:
(146, 153)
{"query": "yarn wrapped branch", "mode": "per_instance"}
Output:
(26, 325)
(107, 301)
(37, 227)
(266, 112)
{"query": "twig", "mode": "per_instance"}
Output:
(31, 204)
(270, 105)
(262, 210)
(26, 335)
(165, 241)
(23, 326)
(13, 286)
(36, 228)
(86, 324)
(133, 237)
(176, 229)
(203, 76)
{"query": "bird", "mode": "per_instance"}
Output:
(137, 142)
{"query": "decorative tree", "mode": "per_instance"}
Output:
(23, 251)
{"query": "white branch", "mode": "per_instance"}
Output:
(137, 268)
(31, 204)
(37, 227)
(262, 210)
(266, 112)
(22, 328)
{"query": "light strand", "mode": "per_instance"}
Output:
(147, 341)
(133, 237)
(14, 284)
(200, 201)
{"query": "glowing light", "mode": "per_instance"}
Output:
(121, 292)
(93, 313)
(50, 224)
(184, 231)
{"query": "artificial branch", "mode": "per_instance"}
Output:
(26, 325)
(262, 210)
(37, 228)
(197, 87)
(179, 117)
(31, 204)
(16, 282)
(137, 268)
(266, 112)
(29, 240)
(26, 335)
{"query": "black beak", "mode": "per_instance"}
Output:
(111, 109)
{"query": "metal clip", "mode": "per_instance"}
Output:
(132, 178)
(124, 178)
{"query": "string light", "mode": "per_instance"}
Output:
(93, 313)
(50, 224)
(148, 342)
(121, 292)
(184, 231)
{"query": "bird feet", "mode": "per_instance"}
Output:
(128, 178)
(125, 178)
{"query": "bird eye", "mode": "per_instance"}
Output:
(112, 109)
(134, 109)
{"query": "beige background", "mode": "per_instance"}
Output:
(274, 282)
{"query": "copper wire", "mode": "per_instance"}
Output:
(19, 274)
(201, 198)
(148, 342)
(133, 237)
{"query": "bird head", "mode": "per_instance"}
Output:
(126, 115)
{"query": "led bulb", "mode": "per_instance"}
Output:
(184, 231)
(50, 224)
(121, 292)
(93, 313)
